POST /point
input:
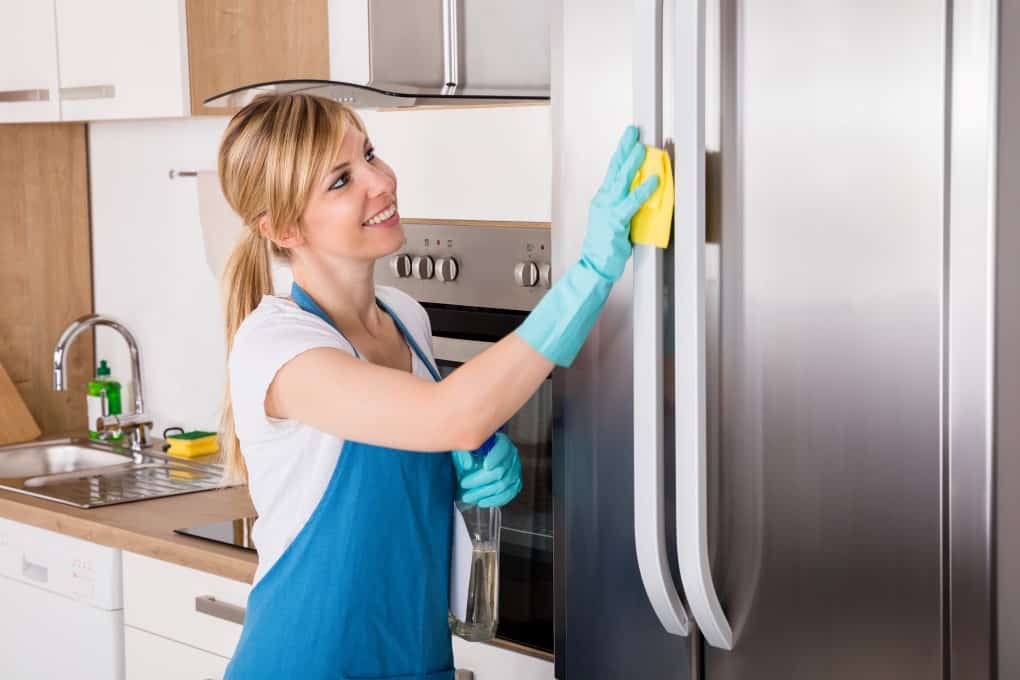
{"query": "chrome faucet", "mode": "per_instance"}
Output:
(137, 422)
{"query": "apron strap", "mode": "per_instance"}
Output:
(305, 302)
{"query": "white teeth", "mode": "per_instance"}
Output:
(383, 216)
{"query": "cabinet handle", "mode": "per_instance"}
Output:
(24, 95)
(207, 604)
(88, 92)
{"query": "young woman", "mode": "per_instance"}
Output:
(336, 416)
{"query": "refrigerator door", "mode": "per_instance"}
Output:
(827, 493)
(605, 624)
(646, 313)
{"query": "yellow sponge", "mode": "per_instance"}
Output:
(652, 223)
(192, 444)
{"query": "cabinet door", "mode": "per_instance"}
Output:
(240, 42)
(183, 604)
(28, 52)
(152, 657)
(45, 266)
(122, 59)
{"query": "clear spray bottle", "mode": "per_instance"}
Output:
(483, 525)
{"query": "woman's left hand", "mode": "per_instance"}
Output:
(493, 483)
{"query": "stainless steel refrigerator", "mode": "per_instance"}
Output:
(775, 457)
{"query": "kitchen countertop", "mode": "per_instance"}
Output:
(147, 527)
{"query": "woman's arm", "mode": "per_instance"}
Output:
(334, 392)
(354, 399)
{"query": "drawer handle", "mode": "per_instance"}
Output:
(207, 604)
(88, 92)
(24, 96)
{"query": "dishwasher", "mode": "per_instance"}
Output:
(61, 606)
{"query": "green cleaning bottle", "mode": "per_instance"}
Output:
(103, 400)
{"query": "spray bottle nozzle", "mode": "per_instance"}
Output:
(487, 445)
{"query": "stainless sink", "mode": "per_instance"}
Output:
(87, 474)
(49, 458)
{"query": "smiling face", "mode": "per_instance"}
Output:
(352, 210)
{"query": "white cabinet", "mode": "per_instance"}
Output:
(59, 594)
(29, 88)
(122, 59)
(488, 662)
(102, 59)
(181, 623)
(152, 657)
(187, 614)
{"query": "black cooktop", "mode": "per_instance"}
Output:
(235, 532)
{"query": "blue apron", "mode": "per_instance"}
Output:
(362, 591)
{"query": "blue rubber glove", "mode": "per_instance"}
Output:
(492, 481)
(561, 321)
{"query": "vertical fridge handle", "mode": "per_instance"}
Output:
(649, 471)
(689, 319)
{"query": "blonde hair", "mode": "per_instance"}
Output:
(273, 153)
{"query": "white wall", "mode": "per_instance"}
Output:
(148, 260)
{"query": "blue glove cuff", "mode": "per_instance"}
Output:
(562, 320)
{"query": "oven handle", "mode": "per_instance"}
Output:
(457, 349)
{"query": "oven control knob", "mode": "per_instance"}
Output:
(421, 267)
(526, 274)
(545, 275)
(401, 266)
(446, 269)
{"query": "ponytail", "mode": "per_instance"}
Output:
(272, 156)
(246, 278)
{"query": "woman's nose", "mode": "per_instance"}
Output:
(380, 179)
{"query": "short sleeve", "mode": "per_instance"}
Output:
(268, 338)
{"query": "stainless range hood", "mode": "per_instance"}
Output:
(396, 53)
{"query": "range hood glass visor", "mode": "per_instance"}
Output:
(376, 94)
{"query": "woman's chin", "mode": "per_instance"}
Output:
(393, 238)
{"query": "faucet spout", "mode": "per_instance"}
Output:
(79, 326)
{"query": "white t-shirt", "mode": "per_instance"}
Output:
(290, 463)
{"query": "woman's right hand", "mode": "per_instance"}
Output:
(607, 245)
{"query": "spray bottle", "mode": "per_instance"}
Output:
(483, 525)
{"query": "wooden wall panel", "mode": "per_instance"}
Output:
(240, 42)
(45, 266)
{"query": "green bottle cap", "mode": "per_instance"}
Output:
(103, 368)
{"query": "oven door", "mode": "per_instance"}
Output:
(526, 544)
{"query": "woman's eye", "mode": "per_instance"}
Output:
(341, 181)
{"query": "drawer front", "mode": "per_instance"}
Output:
(151, 657)
(489, 662)
(183, 604)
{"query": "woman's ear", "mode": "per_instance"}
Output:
(290, 239)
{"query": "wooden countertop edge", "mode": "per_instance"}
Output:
(146, 527)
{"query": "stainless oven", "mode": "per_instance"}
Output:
(478, 280)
